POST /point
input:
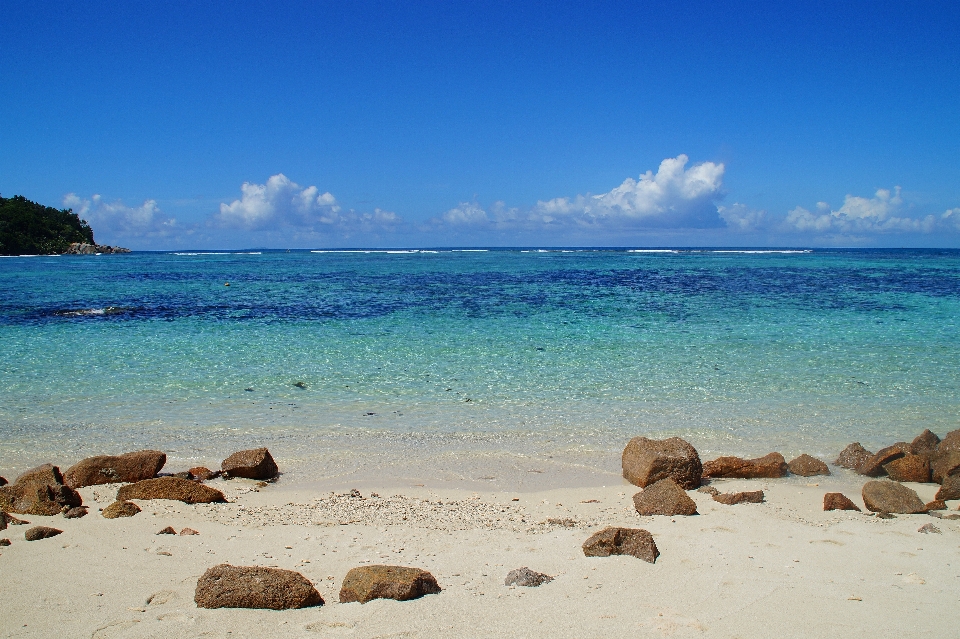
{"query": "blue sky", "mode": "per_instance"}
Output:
(237, 125)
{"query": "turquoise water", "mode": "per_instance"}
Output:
(467, 365)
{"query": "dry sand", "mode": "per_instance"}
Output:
(782, 568)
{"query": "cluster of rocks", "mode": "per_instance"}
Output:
(44, 490)
(82, 248)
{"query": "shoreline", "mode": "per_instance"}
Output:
(729, 571)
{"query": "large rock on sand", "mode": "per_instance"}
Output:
(121, 509)
(925, 444)
(873, 467)
(807, 466)
(227, 586)
(251, 464)
(367, 583)
(38, 491)
(950, 489)
(41, 532)
(853, 456)
(891, 497)
(910, 467)
(647, 461)
(664, 497)
(951, 442)
(944, 465)
(772, 465)
(189, 492)
(635, 542)
(113, 469)
(838, 501)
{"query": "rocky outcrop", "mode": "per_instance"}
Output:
(873, 467)
(664, 497)
(853, 456)
(838, 501)
(768, 466)
(227, 586)
(82, 248)
(367, 583)
(950, 489)
(891, 497)
(121, 508)
(732, 499)
(944, 465)
(950, 442)
(526, 578)
(910, 467)
(189, 492)
(113, 469)
(647, 461)
(250, 464)
(38, 491)
(925, 444)
(807, 466)
(635, 542)
(203, 474)
(40, 532)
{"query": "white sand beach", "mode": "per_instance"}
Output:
(780, 568)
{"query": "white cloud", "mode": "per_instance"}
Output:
(883, 213)
(282, 203)
(117, 220)
(951, 219)
(741, 217)
(673, 197)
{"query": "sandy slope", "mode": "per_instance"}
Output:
(782, 568)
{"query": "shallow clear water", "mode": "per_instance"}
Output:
(464, 365)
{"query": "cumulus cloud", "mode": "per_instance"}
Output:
(283, 203)
(741, 217)
(951, 219)
(883, 213)
(116, 219)
(673, 197)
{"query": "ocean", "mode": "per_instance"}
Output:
(508, 368)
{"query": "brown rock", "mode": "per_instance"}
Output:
(936, 504)
(39, 491)
(622, 541)
(169, 530)
(951, 442)
(647, 461)
(227, 586)
(928, 528)
(112, 469)
(188, 531)
(925, 444)
(772, 465)
(945, 464)
(853, 456)
(3, 481)
(732, 499)
(4, 542)
(708, 490)
(950, 488)
(891, 497)
(838, 501)
(76, 512)
(807, 466)
(910, 467)
(366, 583)
(204, 474)
(189, 492)
(7, 518)
(873, 467)
(664, 497)
(251, 464)
(40, 532)
(121, 508)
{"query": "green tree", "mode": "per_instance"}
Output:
(28, 228)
